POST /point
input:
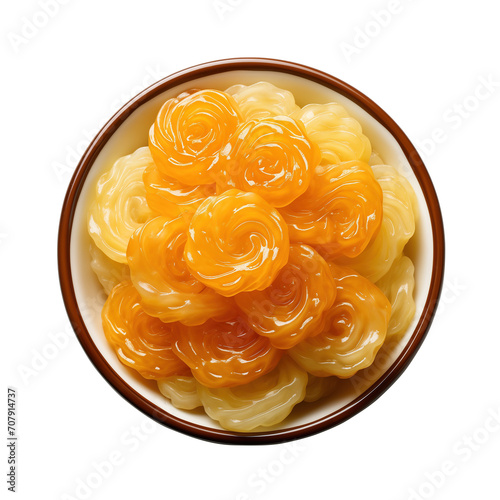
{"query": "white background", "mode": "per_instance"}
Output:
(425, 63)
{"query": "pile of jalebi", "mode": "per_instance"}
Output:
(252, 253)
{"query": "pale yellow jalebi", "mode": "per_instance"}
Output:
(265, 402)
(338, 135)
(119, 206)
(398, 285)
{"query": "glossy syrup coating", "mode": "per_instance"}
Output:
(355, 329)
(292, 307)
(236, 242)
(338, 135)
(396, 229)
(169, 197)
(271, 157)
(189, 132)
(225, 354)
(139, 340)
(340, 211)
(119, 205)
(158, 270)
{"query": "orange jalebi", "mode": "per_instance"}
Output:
(291, 308)
(225, 354)
(271, 157)
(158, 270)
(189, 132)
(140, 341)
(236, 242)
(169, 197)
(340, 212)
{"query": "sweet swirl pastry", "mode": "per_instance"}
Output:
(169, 197)
(236, 242)
(338, 135)
(225, 353)
(397, 285)
(292, 307)
(140, 341)
(340, 211)
(356, 328)
(271, 157)
(265, 402)
(181, 390)
(397, 227)
(119, 205)
(263, 100)
(159, 273)
(189, 133)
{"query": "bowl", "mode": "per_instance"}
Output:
(128, 130)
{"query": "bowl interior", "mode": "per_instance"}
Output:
(133, 133)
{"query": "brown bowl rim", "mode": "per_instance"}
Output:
(273, 436)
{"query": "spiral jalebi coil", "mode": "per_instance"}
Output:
(339, 213)
(264, 402)
(338, 135)
(225, 353)
(140, 341)
(119, 206)
(396, 228)
(236, 243)
(355, 329)
(292, 308)
(271, 157)
(189, 133)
